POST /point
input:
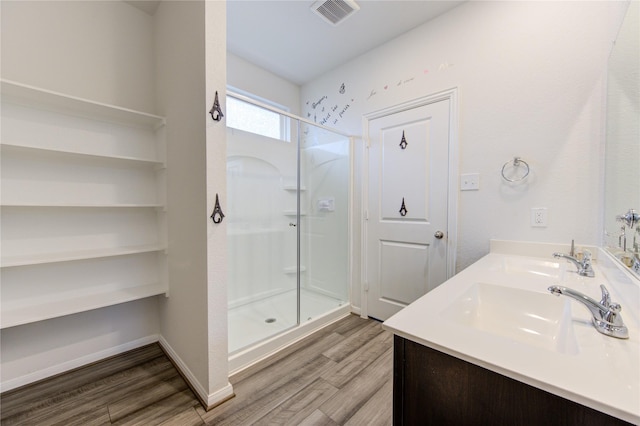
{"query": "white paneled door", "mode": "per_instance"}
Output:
(406, 229)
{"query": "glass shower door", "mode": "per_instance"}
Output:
(262, 235)
(287, 225)
(324, 221)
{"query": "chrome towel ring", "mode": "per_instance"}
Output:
(517, 172)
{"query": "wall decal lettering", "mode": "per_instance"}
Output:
(315, 104)
(346, 107)
(325, 119)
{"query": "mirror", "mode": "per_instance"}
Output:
(622, 164)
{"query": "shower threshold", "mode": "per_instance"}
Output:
(260, 328)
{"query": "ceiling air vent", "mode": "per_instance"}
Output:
(335, 11)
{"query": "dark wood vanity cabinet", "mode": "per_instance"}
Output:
(433, 388)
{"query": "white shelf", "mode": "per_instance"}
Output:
(294, 188)
(60, 102)
(19, 315)
(37, 259)
(292, 270)
(11, 146)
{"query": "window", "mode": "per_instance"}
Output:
(252, 118)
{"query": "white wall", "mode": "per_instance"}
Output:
(190, 41)
(531, 84)
(100, 51)
(38, 350)
(216, 159)
(246, 76)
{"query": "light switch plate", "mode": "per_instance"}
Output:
(470, 182)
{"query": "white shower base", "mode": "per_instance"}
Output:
(257, 329)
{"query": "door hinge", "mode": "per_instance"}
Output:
(366, 215)
(365, 285)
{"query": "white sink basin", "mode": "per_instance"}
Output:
(530, 266)
(523, 316)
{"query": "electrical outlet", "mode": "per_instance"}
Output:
(539, 217)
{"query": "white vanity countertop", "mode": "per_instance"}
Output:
(602, 372)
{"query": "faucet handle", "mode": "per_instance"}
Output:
(630, 218)
(611, 316)
(586, 269)
(612, 309)
(606, 298)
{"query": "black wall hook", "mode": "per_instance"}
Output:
(216, 111)
(403, 142)
(217, 214)
(403, 209)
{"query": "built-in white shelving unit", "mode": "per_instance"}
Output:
(83, 205)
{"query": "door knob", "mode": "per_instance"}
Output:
(439, 235)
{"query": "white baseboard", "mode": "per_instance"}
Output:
(75, 363)
(356, 310)
(209, 400)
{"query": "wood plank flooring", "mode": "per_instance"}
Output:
(340, 375)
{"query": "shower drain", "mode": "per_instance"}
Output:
(270, 320)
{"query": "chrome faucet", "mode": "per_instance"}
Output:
(584, 265)
(606, 316)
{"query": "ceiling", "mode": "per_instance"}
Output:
(288, 39)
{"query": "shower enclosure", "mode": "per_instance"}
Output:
(288, 216)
